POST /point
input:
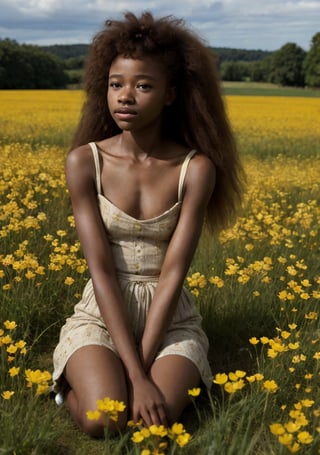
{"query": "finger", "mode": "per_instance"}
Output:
(146, 417)
(163, 416)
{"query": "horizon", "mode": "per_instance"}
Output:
(233, 24)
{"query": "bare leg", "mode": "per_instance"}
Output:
(174, 375)
(95, 372)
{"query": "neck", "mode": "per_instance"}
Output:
(141, 145)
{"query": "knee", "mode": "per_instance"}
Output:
(98, 428)
(93, 428)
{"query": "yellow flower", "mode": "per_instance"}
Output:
(292, 427)
(304, 437)
(10, 325)
(216, 280)
(240, 373)
(311, 315)
(30, 275)
(158, 430)
(93, 415)
(292, 326)
(37, 377)
(277, 428)
(259, 377)
(264, 340)
(253, 340)
(285, 439)
(7, 394)
(69, 281)
(183, 439)
(6, 339)
(111, 407)
(20, 344)
(294, 448)
(294, 346)
(14, 371)
(194, 392)
(137, 437)
(307, 403)
(177, 428)
(272, 353)
(270, 386)
(230, 388)
(42, 388)
(220, 378)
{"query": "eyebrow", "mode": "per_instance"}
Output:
(137, 76)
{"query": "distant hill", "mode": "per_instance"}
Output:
(225, 54)
(228, 54)
(66, 51)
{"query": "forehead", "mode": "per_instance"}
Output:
(137, 66)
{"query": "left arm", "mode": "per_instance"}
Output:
(199, 185)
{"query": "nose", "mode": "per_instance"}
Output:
(126, 96)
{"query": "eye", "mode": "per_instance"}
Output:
(144, 87)
(114, 84)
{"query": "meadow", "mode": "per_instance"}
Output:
(257, 287)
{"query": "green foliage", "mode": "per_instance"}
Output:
(312, 63)
(28, 67)
(226, 54)
(67, 51)
(287, 66)
(234, 71)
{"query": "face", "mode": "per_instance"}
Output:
(137, 93)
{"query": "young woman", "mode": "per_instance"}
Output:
(153, 158)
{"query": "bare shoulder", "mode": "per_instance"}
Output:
(79, 167)
(201, 171)
(79, 156)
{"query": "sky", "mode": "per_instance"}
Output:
(242, 24)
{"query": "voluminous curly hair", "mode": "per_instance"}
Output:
(197, 117)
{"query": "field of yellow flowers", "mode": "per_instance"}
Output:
(257, 286)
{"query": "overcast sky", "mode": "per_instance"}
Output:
(245, 24)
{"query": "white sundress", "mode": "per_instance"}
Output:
(138, 248)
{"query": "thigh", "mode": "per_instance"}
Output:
(174, 375)
(95, 372)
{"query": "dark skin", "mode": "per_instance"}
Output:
(140, 173)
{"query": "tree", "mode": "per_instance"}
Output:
(312, 63)
(28, 67)
(287, 65)
(234, 71)
(260, 70)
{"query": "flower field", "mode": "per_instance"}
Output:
(257, 286)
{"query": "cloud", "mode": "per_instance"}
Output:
(231, 23)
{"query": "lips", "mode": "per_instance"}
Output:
(124, 113)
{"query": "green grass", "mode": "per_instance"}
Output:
(266, 89)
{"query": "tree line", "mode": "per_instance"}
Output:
(289, 66)
(24, 66)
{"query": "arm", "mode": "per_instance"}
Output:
(80, 173)
(199, 185)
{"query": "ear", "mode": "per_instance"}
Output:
(171, 95)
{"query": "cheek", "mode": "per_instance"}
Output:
(109, 98)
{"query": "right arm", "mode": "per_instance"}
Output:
(80, 174)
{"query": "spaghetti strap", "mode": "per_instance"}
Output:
(183, 172)
(97, 165)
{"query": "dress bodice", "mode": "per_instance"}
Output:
(138, 246)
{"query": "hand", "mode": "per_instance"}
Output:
(148, 403)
